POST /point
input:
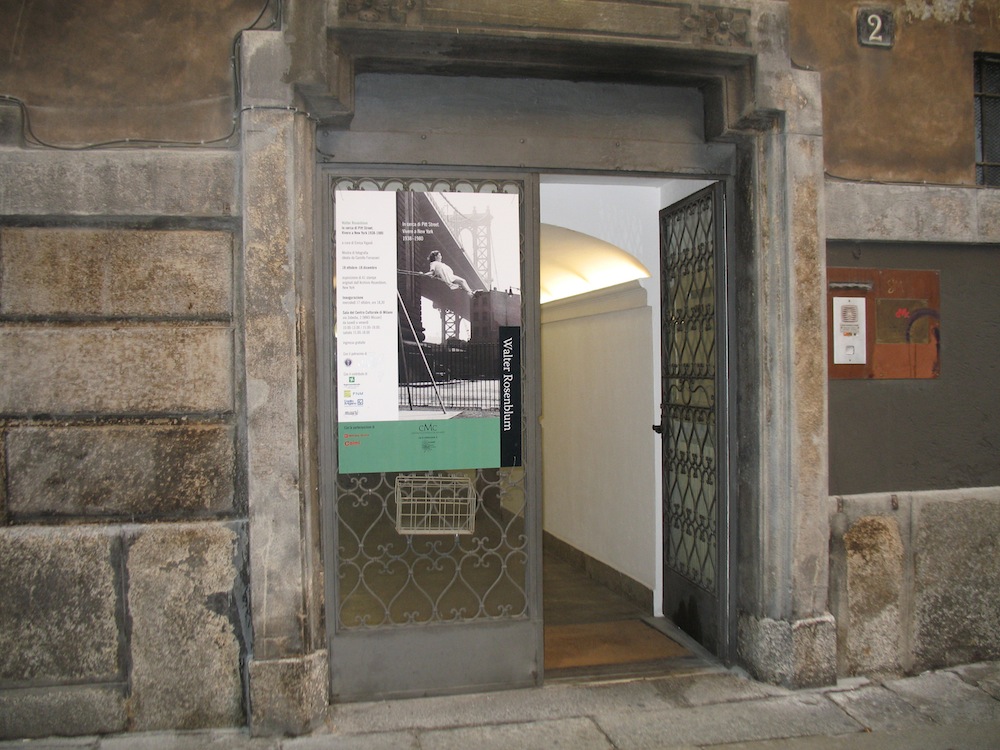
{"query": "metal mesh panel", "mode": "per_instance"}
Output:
(987, 75)
(990, 127)
(690, 432)
(435, 505)
(987, 99)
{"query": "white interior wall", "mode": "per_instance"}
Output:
(598, 478)
(601, 382)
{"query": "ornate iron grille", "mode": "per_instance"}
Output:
(387, 578)
(390, 579)
(689, 370)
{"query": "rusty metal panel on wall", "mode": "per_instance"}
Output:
(883, 323)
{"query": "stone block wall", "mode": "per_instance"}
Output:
(915, 583)
(123, 531)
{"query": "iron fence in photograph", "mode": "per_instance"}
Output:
(459, 375)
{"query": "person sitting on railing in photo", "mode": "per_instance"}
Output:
(441, 270)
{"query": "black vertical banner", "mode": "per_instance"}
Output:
(510, 395)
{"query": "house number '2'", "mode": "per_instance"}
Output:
(875, 27)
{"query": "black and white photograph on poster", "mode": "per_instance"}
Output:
(459, 282)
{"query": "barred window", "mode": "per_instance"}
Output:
(988, 119)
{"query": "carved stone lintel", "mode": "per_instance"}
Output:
(703, 25)
(377, 11)
(725, 27)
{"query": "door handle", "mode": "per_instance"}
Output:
(658, 429)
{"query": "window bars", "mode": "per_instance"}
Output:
(987, 96)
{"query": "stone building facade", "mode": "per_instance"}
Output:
(167, 473)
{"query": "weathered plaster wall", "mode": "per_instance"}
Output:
(903, 114)
(95, 71)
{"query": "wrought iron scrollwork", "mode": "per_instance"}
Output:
(690, 364)
(387, 578)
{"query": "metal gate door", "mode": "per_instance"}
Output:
(432, 574)
(694, 411)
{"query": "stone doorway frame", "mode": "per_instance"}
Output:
(737, 56)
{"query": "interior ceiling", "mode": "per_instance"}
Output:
(572, 263)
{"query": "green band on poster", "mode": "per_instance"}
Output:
(427, 445)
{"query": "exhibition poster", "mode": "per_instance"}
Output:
(428, 316)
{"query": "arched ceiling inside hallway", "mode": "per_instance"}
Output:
(573, 263)
(622, 211)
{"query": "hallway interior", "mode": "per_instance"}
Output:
(591, 631)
